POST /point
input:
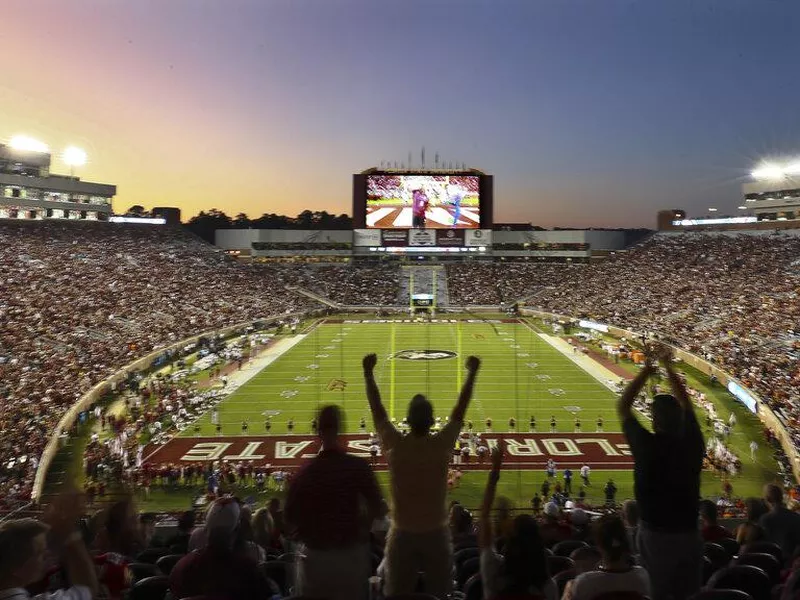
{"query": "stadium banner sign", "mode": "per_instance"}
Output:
(478, 237)
(394, 237)
(421, 237)
(366, 237)
(608, 451)
(593, 326)
(743, 396)
(449, 237)
(138, 220)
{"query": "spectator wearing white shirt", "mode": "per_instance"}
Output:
(615, 573)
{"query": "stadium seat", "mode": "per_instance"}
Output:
(150, 588)
(473, 588)
(708, 569)
(289, 557)
(626, 595)
(567, 547)
(746, 578)
(467, 569)
(557, 564)
(463, 555)
(143, 570)
(151, 555)
(718, 556)
(721, 595)
(168, 562)
(766, 548)
(766, 562)
(417, 596)
(279, 572)
(731, 546)
(562, 578)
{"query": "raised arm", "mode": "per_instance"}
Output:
(485, 523)
(626, 400)
(62, 516)
(678, 387)
(379, 415)
(473, 364)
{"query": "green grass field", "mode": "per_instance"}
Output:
(521, 376)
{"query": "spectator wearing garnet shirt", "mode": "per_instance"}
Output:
(710, 529)
(331, 504)
(419, 539)
(217, 569)
(667, 465)
(118, 543)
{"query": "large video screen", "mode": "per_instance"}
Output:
(423, 202)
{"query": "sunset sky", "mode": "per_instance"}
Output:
(588, 112)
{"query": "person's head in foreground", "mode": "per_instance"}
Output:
(708, 513)
(420, 415)
(773, 495)
(585, 559)
(329, 425)
(223, 520)
(23, 547)
(667, 415)
(611, 539)
(525, 568)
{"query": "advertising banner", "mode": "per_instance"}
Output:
(421, 237)
(366, 237)
(478, 237)
(395, 237)
(450, 237)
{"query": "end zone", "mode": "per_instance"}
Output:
(528, 451)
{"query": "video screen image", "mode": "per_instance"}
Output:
(423, 201)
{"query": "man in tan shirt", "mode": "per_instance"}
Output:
(419, 540)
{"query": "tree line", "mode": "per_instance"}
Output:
(205, 223)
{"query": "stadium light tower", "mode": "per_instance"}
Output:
(73, 157)
(27, 144)
(768, 171)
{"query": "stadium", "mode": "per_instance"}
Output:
(136, 358)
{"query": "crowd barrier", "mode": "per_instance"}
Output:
(111, 383)
(765, 413)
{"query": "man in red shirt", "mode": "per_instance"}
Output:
(331, 504)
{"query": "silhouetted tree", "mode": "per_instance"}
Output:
(136, 209)
(241, 221)
(204, 224)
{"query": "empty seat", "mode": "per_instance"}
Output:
(762, 560)
(721, 595)
(718, 556)
(567, 547)
(557, 564)
(766, 548)
(150, 588)
(746, 578)
(143, 570)
(168, 562)
(468, 568)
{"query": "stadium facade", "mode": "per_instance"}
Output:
(28, 190)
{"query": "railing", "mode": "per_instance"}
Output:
(765, 413)
(108, 384)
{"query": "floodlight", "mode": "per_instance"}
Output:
(742, 208)
(792, 169)
(768, 171)
(28, 144)
(712, 210)
(74, 157)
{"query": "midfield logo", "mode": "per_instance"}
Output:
(424, 354)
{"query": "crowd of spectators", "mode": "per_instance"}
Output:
(81, 300)
(491, 284)
(733, 300)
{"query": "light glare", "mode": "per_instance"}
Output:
(28, 144)
(74, 157)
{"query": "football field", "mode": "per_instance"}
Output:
(521, 376)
